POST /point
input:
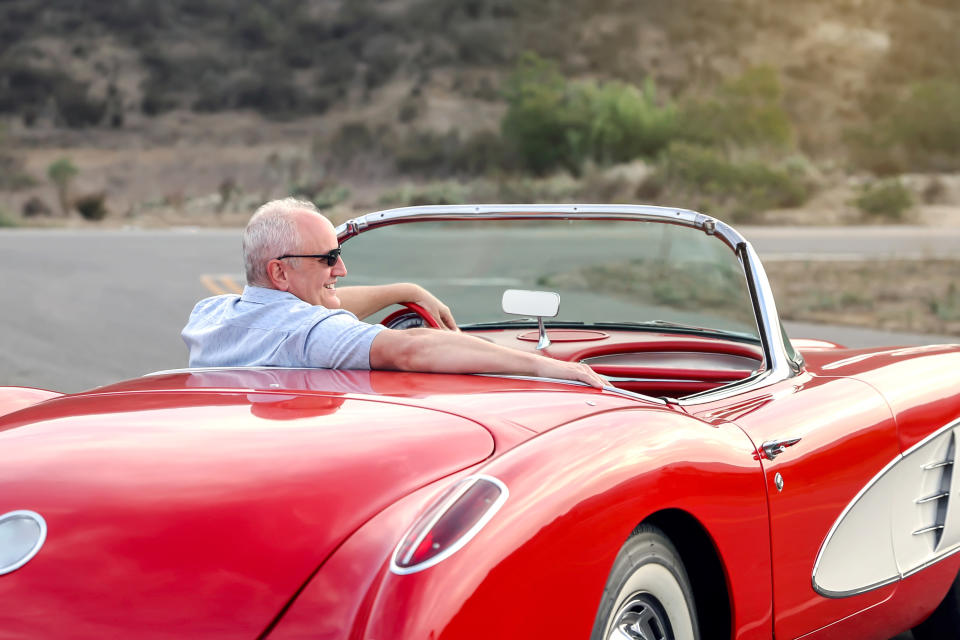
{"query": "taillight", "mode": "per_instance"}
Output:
(449, 524)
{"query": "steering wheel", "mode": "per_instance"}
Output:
(411, 316)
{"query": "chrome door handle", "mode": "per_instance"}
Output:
(772, 448)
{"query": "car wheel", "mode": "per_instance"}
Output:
(944, 622)
(648, 594)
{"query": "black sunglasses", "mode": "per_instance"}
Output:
(331, 257)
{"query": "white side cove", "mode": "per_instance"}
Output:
(905, 519)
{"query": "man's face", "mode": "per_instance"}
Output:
(312, 280)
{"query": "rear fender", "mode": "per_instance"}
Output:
(575, 494)
(16, 398)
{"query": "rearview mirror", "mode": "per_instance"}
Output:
(537, 304)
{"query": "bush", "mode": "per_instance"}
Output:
(28, 90)
(447, 192)
(92, 206)
(12, 174)
(887, 199)
(546, 121)
(626, 123)
(746, 111)
(553, 123)
(79, 110)
(739, 189)
(351, 140)
(920, 131)
(6, 220)
(35, 207)
(61, 172)
(427, 152)
(325, 194)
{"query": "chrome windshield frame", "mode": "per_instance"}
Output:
(777, 363)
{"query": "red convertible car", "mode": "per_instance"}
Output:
(731, 482)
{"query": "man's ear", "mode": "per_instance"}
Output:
(277, 272)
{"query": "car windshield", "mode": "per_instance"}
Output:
(630, 273)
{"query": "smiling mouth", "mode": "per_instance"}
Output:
(331, 286)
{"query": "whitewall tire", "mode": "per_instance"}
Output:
(648, 594)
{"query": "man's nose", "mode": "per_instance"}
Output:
(339, 269)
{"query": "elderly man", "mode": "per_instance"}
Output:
(291, 313)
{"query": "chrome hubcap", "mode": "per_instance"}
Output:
(641, 618)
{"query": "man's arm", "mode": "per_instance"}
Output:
(367, 300)
(441, 352)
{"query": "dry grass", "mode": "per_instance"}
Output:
(918, 296)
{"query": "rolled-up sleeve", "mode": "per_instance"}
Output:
(339, 341)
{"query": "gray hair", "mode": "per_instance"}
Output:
(270, 234)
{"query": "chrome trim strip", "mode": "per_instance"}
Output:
(836, 523)
(462, 488)
(627, 379)
(467, 482)
(937, 465)
(577, 383)
(41, 537)
(635, 213)
(931, 498)
(846, 594)
(778, 365)
(936, 527)
(930, 563)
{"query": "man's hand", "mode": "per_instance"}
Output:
(550, 368)
(440, 312)
(364, 301)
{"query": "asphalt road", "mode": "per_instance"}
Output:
(86, 308)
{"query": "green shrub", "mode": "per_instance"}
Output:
(926, 125)
(546, 121)
(873, 149)
(323, 193)
(12, 174)
(919, 131)
(739, 189)
(746, 111)
(352, 139)
(887, 199)
(28, 89)
(61, 172)
(626, 123)
(431, 153)
(427, 152)
(446, 192)
(553, 123)
(483, 152)
(80, 110)
(92, 206)
(35, 207)
(6, 220)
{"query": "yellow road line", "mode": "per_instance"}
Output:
(212, 285)
(231, 285)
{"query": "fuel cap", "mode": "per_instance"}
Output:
(21, 535)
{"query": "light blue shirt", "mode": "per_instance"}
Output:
(270, 328)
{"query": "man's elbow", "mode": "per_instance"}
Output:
(401, 351)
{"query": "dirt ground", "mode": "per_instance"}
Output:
(916, 296)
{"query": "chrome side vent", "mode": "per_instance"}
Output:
(943, 470)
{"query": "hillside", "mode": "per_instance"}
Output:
(191, 105)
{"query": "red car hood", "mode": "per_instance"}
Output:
(181, 512)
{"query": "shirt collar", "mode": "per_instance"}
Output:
(263, 295)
